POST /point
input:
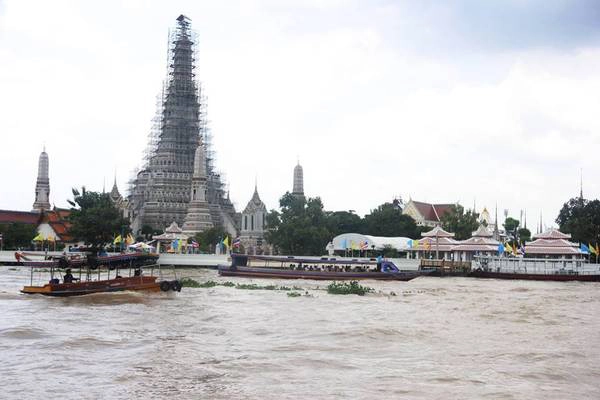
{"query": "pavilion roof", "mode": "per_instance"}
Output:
(431, 212)
(552, 233)
(552, 246)
(482, 231)
(437, 232)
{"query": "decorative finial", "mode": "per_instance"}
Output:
(581, 183)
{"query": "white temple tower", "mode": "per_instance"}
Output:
(298, 181)
(198, 217)
(42, 186)
(253, 225)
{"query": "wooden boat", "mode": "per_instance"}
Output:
(537, 269)
(95, 277)
(324, 268)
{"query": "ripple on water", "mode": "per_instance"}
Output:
(23, 333)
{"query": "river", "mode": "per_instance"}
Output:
(432, 338)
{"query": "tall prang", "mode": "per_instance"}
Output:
(161, 191)
(298, 189)
(42, 185)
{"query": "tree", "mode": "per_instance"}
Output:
(524, 235)
(339, 222)
(462, 223)
(17, 235)
(580, 218)
(510, 226)
(209, 238)
(388, 220)
(300, 227)
(94, 218)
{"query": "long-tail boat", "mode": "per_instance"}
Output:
(96, 274)
(319, 268)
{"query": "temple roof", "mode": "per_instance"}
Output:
(25, 217)
(255, 203)
(431, 212)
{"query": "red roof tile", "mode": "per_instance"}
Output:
(25, 217)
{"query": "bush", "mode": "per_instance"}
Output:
(352, 287)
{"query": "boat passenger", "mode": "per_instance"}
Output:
(68, 277)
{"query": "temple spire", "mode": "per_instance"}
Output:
(42, 186)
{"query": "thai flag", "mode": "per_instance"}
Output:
(236, 242)
(195, 244)
(364, 246)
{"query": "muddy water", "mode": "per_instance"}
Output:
(454, 338)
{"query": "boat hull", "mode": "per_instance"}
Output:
(273, 273)
(536, 277)
(135, 283)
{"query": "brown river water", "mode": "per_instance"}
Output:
(437, 338)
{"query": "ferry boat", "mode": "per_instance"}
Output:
(323, 268)
(538, 269)
(94, 274)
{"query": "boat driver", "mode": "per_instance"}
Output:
(68, 277)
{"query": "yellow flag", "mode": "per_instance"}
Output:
(226, 241)
(592, 249)
(50, 238)
(508, 247)
(597, 249)
(129, 239)
(38, 238)
(427, 245)
(118, 239)
(416, 243)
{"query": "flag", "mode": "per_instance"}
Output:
(38, 238)
(427, 245)
(175, 244)
(50, 238)
(226, 241)
(118, 239)
(508, 247)
(353, 245)
(597, 249)
(409, 243)
(129, 240)
(501, 248)
(195, 244)
(592, 249)
(522, 250)
(515, 250)
(236, 242)
(416, 243)
(364, 245)
(584, 249)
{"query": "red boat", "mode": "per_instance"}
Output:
(96, 276)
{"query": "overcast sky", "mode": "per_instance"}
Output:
(438, 101)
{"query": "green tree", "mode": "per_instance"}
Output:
(388, 220)
(524, 235)
(462, 223)
(511, 225)
(94, 218)
(209, 238)
(581, 218)
(17, 235)
(339, 222)
(299, 228)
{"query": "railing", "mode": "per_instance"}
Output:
(544, 266)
